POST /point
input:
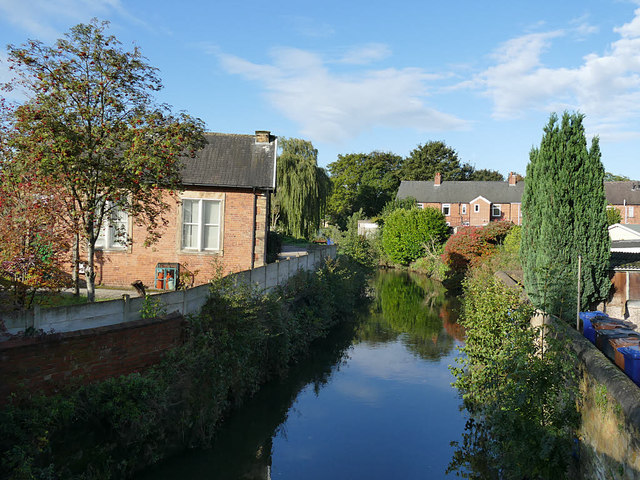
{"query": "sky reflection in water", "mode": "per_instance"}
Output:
(372, 403)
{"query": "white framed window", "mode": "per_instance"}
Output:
(463, 209)
(630, 212)
(496, 210)
(201, 224)
(114, 230)
(476, 208)
(446, 209)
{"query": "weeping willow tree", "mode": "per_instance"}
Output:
(302, 189)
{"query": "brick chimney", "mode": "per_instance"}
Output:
(438, 179)
(512, 179)
(262, 136)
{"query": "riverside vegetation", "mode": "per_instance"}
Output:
(518, 383)
(241, 339)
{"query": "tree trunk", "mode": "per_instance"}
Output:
(75, 274)
(90, 273)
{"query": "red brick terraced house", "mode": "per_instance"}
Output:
(476, 203)
(219, 220)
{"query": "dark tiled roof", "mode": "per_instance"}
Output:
(229, 160)
(463, 192)
(618, 192)
(625, 261)
(500, 192)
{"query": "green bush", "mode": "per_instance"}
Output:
(522, 399)
(242, 337)
(274, 246)
(406, 232)
(431, 266)
(613, 215)
(355, 246)
(152, 307)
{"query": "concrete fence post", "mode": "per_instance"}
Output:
(37, 316)
(126, 307)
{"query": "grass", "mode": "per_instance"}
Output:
(286, 239)
(60, 299)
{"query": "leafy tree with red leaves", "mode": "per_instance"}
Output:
(469, 244)
(33, 240)
(91, 126)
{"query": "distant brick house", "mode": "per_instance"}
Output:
(477, 203)
(219, 220)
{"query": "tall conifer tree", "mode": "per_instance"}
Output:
(564, 215)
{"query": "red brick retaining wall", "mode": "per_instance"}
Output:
(45, 363)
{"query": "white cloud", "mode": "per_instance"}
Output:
(332, 107)
(366, 54)
(40, 18)
(581, 28)
(606, 86)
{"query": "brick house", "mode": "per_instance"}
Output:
(477, 203)
(219, 220)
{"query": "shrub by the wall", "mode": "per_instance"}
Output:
(241, 338)
(521, 398)
(470, 244)
(406, 232)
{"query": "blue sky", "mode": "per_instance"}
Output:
(355, 76)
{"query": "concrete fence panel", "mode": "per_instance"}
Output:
(195, 298)
(259, 276)
(113, 312)
(283, 271)
(271, 275)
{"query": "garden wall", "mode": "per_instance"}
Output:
(42, 362)
(609, 436)
(113, 312)
(106, 339)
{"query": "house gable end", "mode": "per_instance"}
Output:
(619, 231)
(480, 197)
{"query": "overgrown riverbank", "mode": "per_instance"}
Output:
(241, 339)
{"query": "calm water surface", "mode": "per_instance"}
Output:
(374, 401)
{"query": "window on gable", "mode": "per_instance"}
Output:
(114, 230)
(446, 209)
(201, 224)
(476, 207)
(463, 209)
(496, 211)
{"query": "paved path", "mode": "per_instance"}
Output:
(293, 251)
(109, 293)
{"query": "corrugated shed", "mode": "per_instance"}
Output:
(625, 261)
(230, 160)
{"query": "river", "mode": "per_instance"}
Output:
(373, 401)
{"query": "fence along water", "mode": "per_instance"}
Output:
(114, 312)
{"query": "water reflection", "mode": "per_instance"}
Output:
(243, 447)
(415, 309)
(373, 400)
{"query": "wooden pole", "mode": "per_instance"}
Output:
(578, 306)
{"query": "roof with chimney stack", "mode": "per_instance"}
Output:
(461, 192)
(230, 160)
(618, 193)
